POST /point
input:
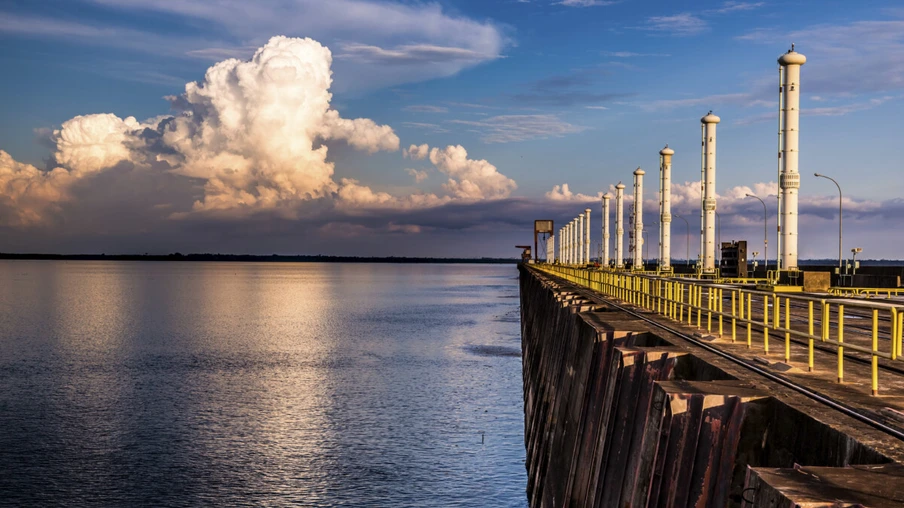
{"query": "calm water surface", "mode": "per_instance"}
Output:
(191, 384)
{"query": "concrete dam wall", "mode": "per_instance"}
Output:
(618, 414)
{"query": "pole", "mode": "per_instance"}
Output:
(687, 240)
(765, 233)
(719, 237)
(840, 259)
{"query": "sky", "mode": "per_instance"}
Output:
(442, 128)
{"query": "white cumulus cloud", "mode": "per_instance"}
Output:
(419, 175)
(563, 193)
(470, 179)
(248, 138)
(253, 129)
(417, 152)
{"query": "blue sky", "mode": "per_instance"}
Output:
(546, 93)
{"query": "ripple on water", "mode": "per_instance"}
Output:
(186, 384)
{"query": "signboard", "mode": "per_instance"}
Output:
(543, 226)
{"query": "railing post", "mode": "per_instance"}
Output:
(875, 362)
(900, 329)
(787, 330)
(749, 320)
(766, 324)
(699, 304)
(719, 291)
(840, 342)
(894, 333)
(709, 310)
(734, 316)
(810, 336)
(776, 312)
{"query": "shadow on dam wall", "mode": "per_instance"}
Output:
(616, 415)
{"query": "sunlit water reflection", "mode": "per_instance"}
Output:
(193, 384)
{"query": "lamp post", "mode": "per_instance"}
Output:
(840, 260)
(646, 250)
(765, 233)
(659, 227)
(687, 240)
(719, 236)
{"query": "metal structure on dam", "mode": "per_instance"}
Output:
(645, 386)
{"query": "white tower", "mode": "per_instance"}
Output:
(587, 235)
(638, 219)
(580, 232)
(619, 225)
(564, 243)
(572, 229)
(709, 191)
(568, 244)
(606, 198)
(790, 179)
(665, 208)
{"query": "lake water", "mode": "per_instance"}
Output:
(189, 384)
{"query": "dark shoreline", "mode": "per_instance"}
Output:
(246, 258)
(277, 258)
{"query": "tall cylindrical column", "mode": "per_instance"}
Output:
(638, 219)
(709, 191)
(562, 245)
(619, 225)
(580, 233)
(665, 208)
(572, 227)
(606, 198)
(790, 180)
(587, 235)
(564, 241)
(568, 244)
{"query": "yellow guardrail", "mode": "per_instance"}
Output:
(743, 280)
(867, 292)
(690, 301)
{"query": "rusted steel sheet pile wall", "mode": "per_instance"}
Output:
(617, 416)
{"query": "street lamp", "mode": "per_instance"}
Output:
(646, 248)
(839, 216)
(687, 239)
(765, 233)
(659, 247)
(719, 235)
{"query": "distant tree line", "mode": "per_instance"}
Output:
(177, 256)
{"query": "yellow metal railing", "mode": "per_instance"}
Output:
(701, 304)
(867, 292)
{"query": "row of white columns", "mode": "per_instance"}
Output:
(574, 244)
(574, 240)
